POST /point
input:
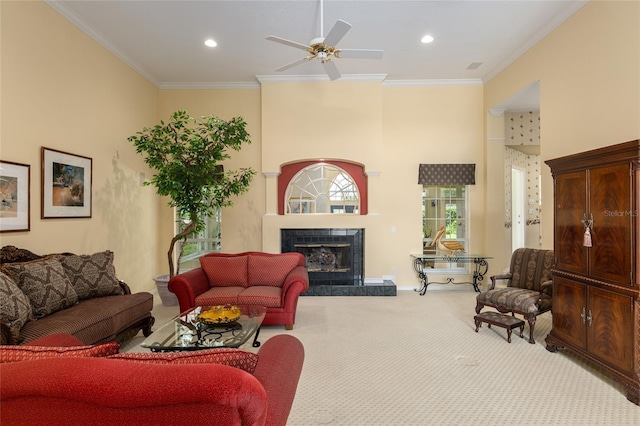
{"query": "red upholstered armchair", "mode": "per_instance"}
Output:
(86, 385)
(274, 280)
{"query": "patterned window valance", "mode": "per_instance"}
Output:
(447, 174)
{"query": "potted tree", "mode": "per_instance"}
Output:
(186, 155)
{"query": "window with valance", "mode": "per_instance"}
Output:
(445, 205)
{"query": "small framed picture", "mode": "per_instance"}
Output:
(14, 197)
(66, 185)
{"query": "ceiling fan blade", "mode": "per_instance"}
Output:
(292, 64)
(337, 32)
(332, 70)
(361, 53)
(288, 42)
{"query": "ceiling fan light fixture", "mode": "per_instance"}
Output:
(324, 48)
(427, 39)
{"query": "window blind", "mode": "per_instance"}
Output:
(447, 174)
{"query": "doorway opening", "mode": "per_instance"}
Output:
(517, 208)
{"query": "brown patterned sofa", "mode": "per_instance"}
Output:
(273, 280)
(67, 293)
(529, 287)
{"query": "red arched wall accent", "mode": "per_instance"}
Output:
(355, 171)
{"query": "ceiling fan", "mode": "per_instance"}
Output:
(324, 48)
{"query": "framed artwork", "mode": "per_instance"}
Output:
(14, 197)
(66, 185)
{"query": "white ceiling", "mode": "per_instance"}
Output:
(164, 40)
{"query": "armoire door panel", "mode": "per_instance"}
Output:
(571, 207)
(611, 207)
(569, 311)
(609, 336)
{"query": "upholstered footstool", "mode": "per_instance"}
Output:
(501, 320)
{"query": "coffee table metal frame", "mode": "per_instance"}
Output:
(184, 333)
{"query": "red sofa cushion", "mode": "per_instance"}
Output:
(225, 271)
(271, 270)
(29, 353)
(263, 295)
(237, 358)
(79, 391)
(219, 296)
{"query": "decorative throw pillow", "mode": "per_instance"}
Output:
(271, 270)
(15, 309)
(237, 358)
(225, 271)
(28, 353)
(45, 284)
(92, 275)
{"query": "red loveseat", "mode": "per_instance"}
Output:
(70, 386)
(250, 278)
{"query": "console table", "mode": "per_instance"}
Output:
(423, 262)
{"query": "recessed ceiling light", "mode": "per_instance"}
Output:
(427, 39)
(210, 43)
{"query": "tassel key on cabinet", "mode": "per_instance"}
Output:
(588, 225)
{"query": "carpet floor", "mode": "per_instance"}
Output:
(416, 360)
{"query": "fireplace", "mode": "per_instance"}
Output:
(334, 257)
(326, 257)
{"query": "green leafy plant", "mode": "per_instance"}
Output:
(185, 154)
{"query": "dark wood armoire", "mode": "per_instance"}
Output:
(596, 279)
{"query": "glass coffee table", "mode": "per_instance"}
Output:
(185, 333)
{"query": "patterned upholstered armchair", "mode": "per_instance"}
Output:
(529, 285)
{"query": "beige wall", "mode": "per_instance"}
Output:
(388, 130)
(332, 120)
(589, 72)
(439, 124)
(61, 90)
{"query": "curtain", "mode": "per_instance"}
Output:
(447, 174)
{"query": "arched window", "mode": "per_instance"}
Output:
(322, 188)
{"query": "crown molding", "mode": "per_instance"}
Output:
(223, 86)
(434, 82)
(323, 78)
(318, 78)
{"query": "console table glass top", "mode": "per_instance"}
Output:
(424, 261)
(183, 333)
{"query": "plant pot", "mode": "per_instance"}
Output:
(168, 298)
